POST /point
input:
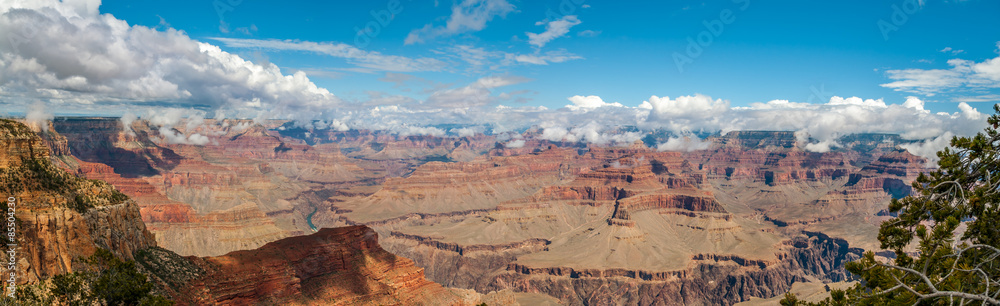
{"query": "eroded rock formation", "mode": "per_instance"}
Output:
(585, 224)
(341, 266)
(61, 217)
(635, 226)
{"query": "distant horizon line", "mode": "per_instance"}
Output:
(660, 130)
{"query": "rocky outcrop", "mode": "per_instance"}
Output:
(118, 228)
(712, 279)
(61, 217)
(451, 268)
(342, 266)
(598, 273)
(20, 145)
(701, 203)
(752, 140)
(619, 176)
(774, 168)
(589, 193)
(105, 140)
(534, 244)
(707, 283)
(890, 174)
(56, 237)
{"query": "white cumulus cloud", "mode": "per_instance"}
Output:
(685, 144)
(519, 143)
(929, 148)
(172, 136)
(588, 103)
(69, 54)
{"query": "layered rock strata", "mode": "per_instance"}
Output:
(60, 217)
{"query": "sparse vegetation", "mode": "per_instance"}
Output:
(105, 280)
(16, 129)
(836, 298)
(174, 269)
(33, 174)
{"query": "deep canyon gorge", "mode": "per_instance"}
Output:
(375, 217)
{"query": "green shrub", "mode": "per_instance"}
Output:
(105, 280)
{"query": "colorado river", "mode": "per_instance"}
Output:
(309, 220)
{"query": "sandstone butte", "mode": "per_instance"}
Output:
(583, 224)
(62, 218)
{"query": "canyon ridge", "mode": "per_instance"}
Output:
(541, 222)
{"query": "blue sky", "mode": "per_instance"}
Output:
(795, 50)
(577, 70)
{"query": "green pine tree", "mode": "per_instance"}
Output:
(949, 265)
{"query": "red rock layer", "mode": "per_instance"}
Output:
(779, 167)
(341, 266)
(703, 203)
(898, 163)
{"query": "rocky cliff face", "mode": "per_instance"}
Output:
(61, 217)
(755, 140)
(839, 192)
(713, 280)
